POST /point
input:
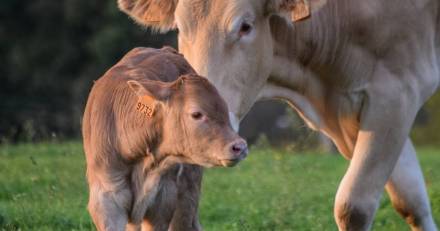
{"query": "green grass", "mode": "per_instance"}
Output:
(42, 187)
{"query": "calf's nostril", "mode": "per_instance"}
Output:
(239, 147)
(236, 148)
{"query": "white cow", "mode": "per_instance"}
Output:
(356, 70)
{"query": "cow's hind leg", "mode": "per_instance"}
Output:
(407, 191)
(109, 209)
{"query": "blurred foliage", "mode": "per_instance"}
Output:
(51, 51)
(427, 128)
(273, 124)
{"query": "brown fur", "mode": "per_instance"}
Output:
(138, 167)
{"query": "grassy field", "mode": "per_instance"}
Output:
(42, 187)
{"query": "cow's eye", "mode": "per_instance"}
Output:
(245, 29)
(197, 115)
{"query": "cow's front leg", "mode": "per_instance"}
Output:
(407, 191)
(384, 125)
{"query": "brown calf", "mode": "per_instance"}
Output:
(146, 121)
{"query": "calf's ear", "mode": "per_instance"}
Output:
(295, 10)
(154, 89)
(158, 14)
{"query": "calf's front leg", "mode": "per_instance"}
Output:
(109, 209)
(186, 215)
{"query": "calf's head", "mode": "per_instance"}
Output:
(228, 41)
(194, 123)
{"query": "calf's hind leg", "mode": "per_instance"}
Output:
(407, 191)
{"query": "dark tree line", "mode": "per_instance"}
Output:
(50, 53)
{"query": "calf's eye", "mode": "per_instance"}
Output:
(245, 29)
(197, 115)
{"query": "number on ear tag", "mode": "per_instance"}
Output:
(146, 105)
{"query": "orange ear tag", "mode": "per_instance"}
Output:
(301, 10)
(146, 105)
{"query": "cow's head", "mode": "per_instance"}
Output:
(228, 41)
(194, 124)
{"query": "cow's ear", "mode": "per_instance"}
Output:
(296, 10)
(154, 89)
(158, 14)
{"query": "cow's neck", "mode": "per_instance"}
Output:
(311, 67)
(301, 64)
(329, 47)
